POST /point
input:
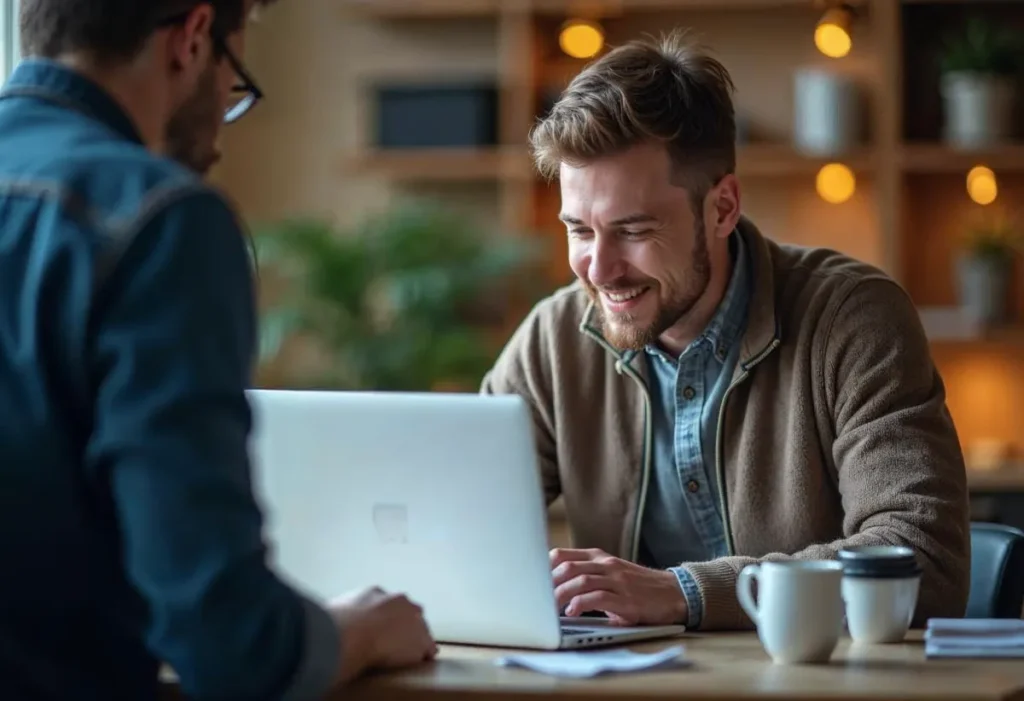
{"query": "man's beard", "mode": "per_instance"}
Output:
(623, 332)
(191, 133)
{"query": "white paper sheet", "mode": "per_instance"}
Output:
(974, 637)
(591, 663)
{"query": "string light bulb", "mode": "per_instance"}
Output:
(833, 35)
(581, 38)
(835, 183)
(982, 187)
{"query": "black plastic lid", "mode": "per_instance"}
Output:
(882, 561)
(881, 572)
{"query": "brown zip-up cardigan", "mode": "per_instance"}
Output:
(834, 431)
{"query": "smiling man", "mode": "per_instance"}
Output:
(706, 398)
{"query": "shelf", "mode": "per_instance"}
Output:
(953, 2)
(426, 9)
(1004, 478)
(1010, 336)
(454, 164)
(442, 164)
(939, 158)
(617, 7)
(948, 325)
(767, 160)
(423, 9)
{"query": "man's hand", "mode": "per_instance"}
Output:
(592, 580)
(380, 630)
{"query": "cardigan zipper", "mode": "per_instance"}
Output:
(645, 472)
(719, 471)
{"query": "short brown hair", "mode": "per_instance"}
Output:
(112, 29)
(666, 91)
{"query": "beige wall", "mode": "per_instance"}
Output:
(312, 61)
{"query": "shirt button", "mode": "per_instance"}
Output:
(689, 393)
(693, 486)
(721, 351)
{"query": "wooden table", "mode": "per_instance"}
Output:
(725, 666)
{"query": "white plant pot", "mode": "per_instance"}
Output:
(978, 109)
(983, 283)
(826, 112)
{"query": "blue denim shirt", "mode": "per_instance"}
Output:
(129, 534)
(682, 520)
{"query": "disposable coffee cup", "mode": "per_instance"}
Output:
(880, 589)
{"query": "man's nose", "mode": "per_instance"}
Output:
(605, 263)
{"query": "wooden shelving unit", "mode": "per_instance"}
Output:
(911, 201)
(417, 9)
(781, 160)
(620, 7)
(442, 165)
(937, 158)
(423, 9)
(448, 165)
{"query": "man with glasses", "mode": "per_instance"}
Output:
(129, 534)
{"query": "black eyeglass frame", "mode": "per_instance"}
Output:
(252, 92)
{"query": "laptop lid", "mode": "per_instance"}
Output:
(434, 495)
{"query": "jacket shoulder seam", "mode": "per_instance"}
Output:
(124, 234)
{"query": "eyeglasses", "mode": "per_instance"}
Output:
(245, 93)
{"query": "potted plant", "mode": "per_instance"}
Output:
(978, 84)
(406, 300)
(984, 268)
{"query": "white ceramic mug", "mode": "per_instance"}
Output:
(799, 611)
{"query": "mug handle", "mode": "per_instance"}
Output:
(748, 575)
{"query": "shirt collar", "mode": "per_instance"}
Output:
(726, 326)
(48, 80)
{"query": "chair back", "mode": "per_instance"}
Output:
(997, 571)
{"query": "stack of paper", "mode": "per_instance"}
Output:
(593, 663)
(974, 637)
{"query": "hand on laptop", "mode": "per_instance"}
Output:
(592, 580)
(380, 630)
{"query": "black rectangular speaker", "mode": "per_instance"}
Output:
(453, 115)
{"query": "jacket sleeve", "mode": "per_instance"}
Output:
(171, 356)
(900, 468)
(522, 369)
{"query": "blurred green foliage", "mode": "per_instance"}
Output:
(983, 47)
(405, 300)
(994, 236)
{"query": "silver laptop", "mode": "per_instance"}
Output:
(434, 495)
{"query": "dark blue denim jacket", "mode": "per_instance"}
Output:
(129, 533)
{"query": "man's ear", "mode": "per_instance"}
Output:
(189, 43)
(725, 205)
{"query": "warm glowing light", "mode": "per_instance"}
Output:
(981, 185)
(835, 183)
(832, 35)
(581, 38)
